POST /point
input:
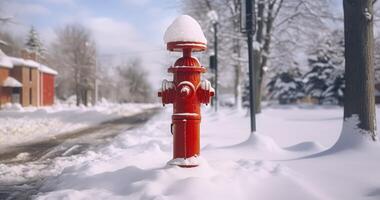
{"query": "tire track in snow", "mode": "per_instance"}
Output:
(21, 176)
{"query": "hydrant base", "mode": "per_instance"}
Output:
(185, 162)
(186, 138)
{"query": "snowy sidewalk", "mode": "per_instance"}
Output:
(281, 161)
(24, 125)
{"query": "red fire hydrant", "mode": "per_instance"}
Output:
(186, 92)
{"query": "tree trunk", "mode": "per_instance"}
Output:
(237, 83)
(257, 53)
(85, 97)
(257, 62)
(359, 92)
(77, 91)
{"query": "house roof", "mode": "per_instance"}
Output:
(3, 42)
(11, 82)
(46, 69)
(10, 62)
(5, 61)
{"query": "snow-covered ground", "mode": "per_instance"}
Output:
(294, 155)
(21, 125)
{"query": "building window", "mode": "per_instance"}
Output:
(30, 74)
(16, 90)
(30, 96)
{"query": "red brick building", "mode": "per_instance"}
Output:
(25, 81)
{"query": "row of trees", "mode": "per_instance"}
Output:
(74, 55)
(322, 82)
(281, 34)
(284, 29)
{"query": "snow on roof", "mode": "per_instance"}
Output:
(3, 42)
(11, 82)
(32, 64)
(9, 62)
(23, 62)
(48, 70)
(4, 60)
(184, 29)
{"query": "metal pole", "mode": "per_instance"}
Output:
(252, 79)
(96, 82)
(216, 64)
(212, 68)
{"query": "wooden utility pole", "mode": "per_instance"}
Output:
(359, 96)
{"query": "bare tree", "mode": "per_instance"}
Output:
(11, 45)
(74, 52)
(230, 39)
(359, 92)
(4, 19)
(283, 27)
(133, 85)
(8, 43)
(280, 29)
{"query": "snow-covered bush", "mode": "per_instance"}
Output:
(334, 94)
(12, 107)
(325, 80)
(286, 87)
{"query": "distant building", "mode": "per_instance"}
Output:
(25, 81)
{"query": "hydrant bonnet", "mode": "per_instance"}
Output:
(185, 31)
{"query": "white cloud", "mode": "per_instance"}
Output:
(25, 9)
(47, 35)
(114, 36)
(123, 41)
(117, 37)
(136, 2)
(61, 2)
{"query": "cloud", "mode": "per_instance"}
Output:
(136, 2)
(61, 2)
(25, 9)
(115, 36)
(47, 35)
(120, 41)
(119, 37)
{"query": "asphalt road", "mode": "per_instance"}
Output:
(64, 145)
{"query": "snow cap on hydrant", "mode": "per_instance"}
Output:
(187, 91)
(187, 31)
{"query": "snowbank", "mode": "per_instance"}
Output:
(19, 125)
(352, 137)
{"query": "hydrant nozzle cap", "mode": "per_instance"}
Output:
(184, 29)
